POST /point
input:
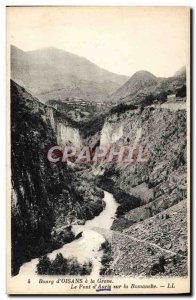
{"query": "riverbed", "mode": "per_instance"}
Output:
(86, 248)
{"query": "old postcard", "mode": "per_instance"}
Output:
(98, 150)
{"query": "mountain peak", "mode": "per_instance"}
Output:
(47, 49)
(142, 75)
(139, 80)
(50, 72)
(15, 49)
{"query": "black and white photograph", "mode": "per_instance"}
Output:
(98, 151)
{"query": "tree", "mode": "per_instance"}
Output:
(149, 99)
(86, 269)
(74, 268)
(162, 96)
(122, 107)
(43, 265)
(59, 265)
(181, 92)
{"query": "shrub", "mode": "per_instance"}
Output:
(158, 267)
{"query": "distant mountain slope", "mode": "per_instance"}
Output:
(180, 72)
(139, 81)
(47, 71)
(143, 84)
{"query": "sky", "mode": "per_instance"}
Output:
(122, 40)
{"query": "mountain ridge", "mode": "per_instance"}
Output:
(180, 72)
(139, 80)
(54, 74)
(48, 69)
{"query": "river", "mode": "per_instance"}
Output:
(88, 246)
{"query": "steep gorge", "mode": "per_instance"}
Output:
(144, 190)
(44, 195)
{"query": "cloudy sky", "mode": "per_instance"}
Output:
(121, 40)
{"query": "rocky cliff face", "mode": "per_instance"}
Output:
(44, 195)
(67, 135)
(152, 194)
(162, 133)
(111, 134)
